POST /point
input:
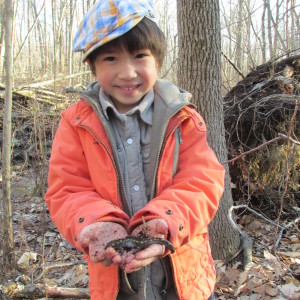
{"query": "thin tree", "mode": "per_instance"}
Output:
(239, 34)
(2, 14)
(7, 232)
(263, 33)
(199, 72)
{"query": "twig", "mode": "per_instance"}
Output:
(289, 138)
(49, 268)
(281, 136)
(233, 65)
(29, 31)
(251, 210)
(281, 232)
(282, 228)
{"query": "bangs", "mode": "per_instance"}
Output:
(142, 36)
(145, 35)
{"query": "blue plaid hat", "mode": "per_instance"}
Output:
(108, 20)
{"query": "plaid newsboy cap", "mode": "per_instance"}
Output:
(108, 20)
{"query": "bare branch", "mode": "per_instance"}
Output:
(33, 25)
(233, 65)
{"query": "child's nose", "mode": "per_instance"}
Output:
(127, 71)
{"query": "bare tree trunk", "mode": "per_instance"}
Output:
(7, 234)
(287, 31)
(199, 71)
(270, 39)
(239, 36)
(29, 42)
(296, 26)
(263, 33)
(293, 31)
(277, 35)
(54, 57)
(1, 35)
(45, 48)
(40, 34)
(70, 37)
(250, 61)
(262, 47)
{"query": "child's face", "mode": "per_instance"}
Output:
(125, 76)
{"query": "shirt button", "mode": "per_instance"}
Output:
(146, 154)
(129, 141)
(136, 188)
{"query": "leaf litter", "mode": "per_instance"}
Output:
(271, 275)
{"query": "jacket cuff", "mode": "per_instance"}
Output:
(111, 218)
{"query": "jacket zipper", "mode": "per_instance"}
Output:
(119, 176)
(163, 140)
(115, 160)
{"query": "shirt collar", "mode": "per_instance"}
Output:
(143, 108)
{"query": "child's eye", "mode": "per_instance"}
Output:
(109, 58)
(141, 55)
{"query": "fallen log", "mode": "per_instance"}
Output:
(30, 291)
(48, 82)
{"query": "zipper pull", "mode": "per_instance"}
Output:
(178, 141)
(179, 135)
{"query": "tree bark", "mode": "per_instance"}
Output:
(199, 72)
(7, 232)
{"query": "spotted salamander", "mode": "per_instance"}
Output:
(137, 244)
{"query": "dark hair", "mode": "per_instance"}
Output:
(145, 35)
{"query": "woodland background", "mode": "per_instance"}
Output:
(260, 86)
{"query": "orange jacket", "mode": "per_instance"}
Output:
(84, 187)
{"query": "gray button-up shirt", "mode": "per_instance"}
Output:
(133, 136)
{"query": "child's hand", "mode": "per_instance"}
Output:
(93, 238)
(154, 228)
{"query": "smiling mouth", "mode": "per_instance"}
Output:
(129, 88)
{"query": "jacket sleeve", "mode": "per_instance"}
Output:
(72, 198)
(190, 201)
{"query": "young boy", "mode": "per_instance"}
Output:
(131, 158)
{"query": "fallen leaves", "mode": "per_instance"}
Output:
(290, 290)
(271, 275)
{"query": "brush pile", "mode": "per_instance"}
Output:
(260, 108)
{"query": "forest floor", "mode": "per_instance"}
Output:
(271, 275)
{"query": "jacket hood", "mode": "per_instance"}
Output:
(171, 94)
